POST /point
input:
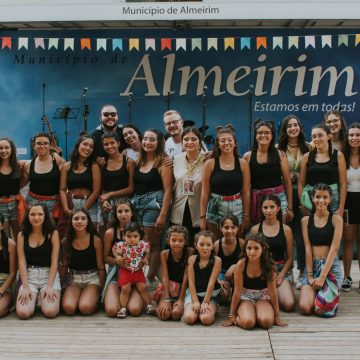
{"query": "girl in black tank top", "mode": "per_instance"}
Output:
(255, 284)
(170, 293)
(83, 263)
(117, 176)
(229, 251)
(201, 299)
(280, 239)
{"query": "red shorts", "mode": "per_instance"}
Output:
(126, 276)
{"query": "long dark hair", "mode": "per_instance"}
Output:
(227, 129)
(71, 234)
(48, 226)
(273, 155)
(313, 152)
(342, 132)
(320, 187)
(276, 200)
(346, 145)
(135, 128)
(4, 238)
(283, 138)
(266, 261)
(180, 229)
(74, 157)
(159, 152)
(209, 234)
(196, 132)
(14, 164)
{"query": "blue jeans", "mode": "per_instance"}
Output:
(148, 206)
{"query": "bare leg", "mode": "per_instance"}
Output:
(214, 229)
(209, 317)
(246, 315)
(154, 238)
(307, 300)
(348, 245)
(286, 296)
(25, 311)
(89, 299)
(141, 288)
(264, 314)
(70, 299)
(14, 225)
(124, 295)
(111, 301)
(5, 303)
(49, 309)
(190, 317)
(136, 303)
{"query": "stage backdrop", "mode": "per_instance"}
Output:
(237, 76)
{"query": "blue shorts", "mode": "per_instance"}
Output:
(9, 210)
(218, 208)
(336, 269)
(283, 201)
(214, 297)
(335, 200)
(148, 206)
(48, 203)
(289, 276)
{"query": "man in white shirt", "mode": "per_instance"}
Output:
(173, 124)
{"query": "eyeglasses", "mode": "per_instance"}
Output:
(333, 121)
(42, 143)
(266, 133)
(108, 114)
(174, 122)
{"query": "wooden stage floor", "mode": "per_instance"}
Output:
(98, 337)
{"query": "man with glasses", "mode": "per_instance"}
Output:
(173, 124)
(109, 122)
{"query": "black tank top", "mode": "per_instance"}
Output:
(4, 261)
(84, 259)
(176, 270)
(320, 236)
(44, 184)
(264, 176)
(40, 255)
(326, 172)
(232, 259)
(226, 182)
(116, 179)
(277, 243)
(147, 182)
(257, 283)
(202, 276)
(81, 181)
(9, 185)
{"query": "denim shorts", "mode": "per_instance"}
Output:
(336, 269)
(3, 278)
(83, 279)
(289, 276)
(38, 279)
(214, 297)
(93, 210)
(48, 203)
(218, 208)
(108, 215)
(254, 295)
(283, 201)
(148, 206)
(335, 200)
(9, 210)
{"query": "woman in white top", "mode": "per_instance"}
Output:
(132, 137)
(351, 214)
(188, 167)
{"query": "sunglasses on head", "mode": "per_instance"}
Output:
(108, 114)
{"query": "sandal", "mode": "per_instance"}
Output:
(122, 313)
(150, 309)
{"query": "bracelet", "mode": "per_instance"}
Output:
(101, 269)
(290, 209)
(231, 315)
(276, 314)
(203, 216)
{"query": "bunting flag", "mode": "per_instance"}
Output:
(6, 42)
(100, 44)
(165, 44)
(261, 42)
(39, 43)
(343, 40)
(326, 40)
(23, 43)
(229, 42)
(278, 42)
(53, 42)
(134, 44)
(196, 44)
(245, 42)
(309, 41)
(150, 44)
(293, 41)
(85, 44)
(212, 43)
(357, 39)
(117, 44)
(68, 44)
(181, 44)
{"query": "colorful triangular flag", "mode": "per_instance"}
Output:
(343, 40)
(23, 42)
(212, 43)
(165, 44)
(68, 43)
(85, 44)
(245, 42)
(53, 42)
(196, 44)
(261, 42)
(101, 44)
(134, 44)
(278, 42)
(181, 44)
(150, 44)
(117, 44)
(229, 42)
(293, 41)
(6, 42)
(309, 41)
(39, 42)
(326, 40)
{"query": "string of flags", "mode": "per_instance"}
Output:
(177, 44)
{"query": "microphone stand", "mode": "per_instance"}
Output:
(43, 105)
(250, 100)
(130, 100)
(203, 113)
(86, 109)
(168, 100)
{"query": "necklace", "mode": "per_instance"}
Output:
(191, 167)
(294, 146)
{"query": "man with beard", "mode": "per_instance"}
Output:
(108, 123)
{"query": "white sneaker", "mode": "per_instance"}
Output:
(299, 281)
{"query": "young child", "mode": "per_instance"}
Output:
(228, 248)
(201, 300)
(132, 254)
(255, 299)
(170, 293)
